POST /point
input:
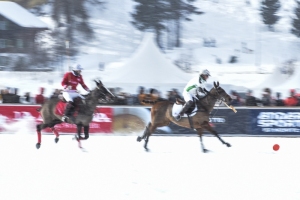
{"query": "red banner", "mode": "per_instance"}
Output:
(101, 123)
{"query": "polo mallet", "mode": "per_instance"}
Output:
(231, 107)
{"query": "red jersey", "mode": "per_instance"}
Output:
(291, 101)
(39, 99)
(71, 80)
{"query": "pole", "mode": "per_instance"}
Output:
(68, 56)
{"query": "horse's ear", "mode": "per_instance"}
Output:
(215, 85)
(218, 84)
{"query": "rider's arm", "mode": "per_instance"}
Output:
(65, 81)
(83, 84)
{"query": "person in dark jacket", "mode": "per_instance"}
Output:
(250, 99)
(279, 101)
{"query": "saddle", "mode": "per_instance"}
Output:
(61, 106)
(192, 108)
(182, 102)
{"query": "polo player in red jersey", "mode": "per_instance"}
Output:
(70, 81)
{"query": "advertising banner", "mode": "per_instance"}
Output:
(9, 114)
(224, 121)
(275, 121)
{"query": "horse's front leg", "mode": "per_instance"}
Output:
(207, 126)
(200, 132)
(86, 130)
(78, 136)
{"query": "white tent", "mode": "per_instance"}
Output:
(149, 68)
(280, 82)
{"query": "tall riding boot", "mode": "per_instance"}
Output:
(67, 112)
(186, 106)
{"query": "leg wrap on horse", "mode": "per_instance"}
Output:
(86, 132)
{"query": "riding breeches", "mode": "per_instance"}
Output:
(70, 95)
(189, 97)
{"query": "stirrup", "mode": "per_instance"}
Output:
(64, 118)
(178, 117)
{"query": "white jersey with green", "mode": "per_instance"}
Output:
(190, 89)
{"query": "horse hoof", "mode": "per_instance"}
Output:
(228, 145)
(205, 151)
(38, 145)
(56, 140)
(139, 139)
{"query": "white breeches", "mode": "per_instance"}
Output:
(69, 96)
(187, 96)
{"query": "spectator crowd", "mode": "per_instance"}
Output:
(143, 95)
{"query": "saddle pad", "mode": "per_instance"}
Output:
(177, 108)
(60, 108)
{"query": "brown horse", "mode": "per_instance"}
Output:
(84, 113)
(161, 115)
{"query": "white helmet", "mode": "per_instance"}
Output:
(205, 72)
(77, 67)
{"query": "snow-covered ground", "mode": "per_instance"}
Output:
(117, 167)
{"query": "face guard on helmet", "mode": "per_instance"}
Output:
(77, 69)
(204, 75)
(205, 72)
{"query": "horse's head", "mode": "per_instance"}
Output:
(219, 93)
(102, 93)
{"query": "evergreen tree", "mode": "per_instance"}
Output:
(296, 21)
(29, 3)
(269, 10)
(155, 14)
(178, 11)
(150, 15)
(71, 19)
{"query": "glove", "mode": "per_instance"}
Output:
(201, 90)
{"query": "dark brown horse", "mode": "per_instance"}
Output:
(84, 113)
(161, 115)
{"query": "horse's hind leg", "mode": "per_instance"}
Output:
(39, 128)
(56, 134)
(211, 130)
(139, 138)
(150, 130)
(200, 132)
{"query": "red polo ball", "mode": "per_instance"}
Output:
(276, 147)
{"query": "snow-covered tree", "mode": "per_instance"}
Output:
(269, 9)
(296, 21)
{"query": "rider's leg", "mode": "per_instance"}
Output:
(69, 106)
(68, 109)
(189, 101)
